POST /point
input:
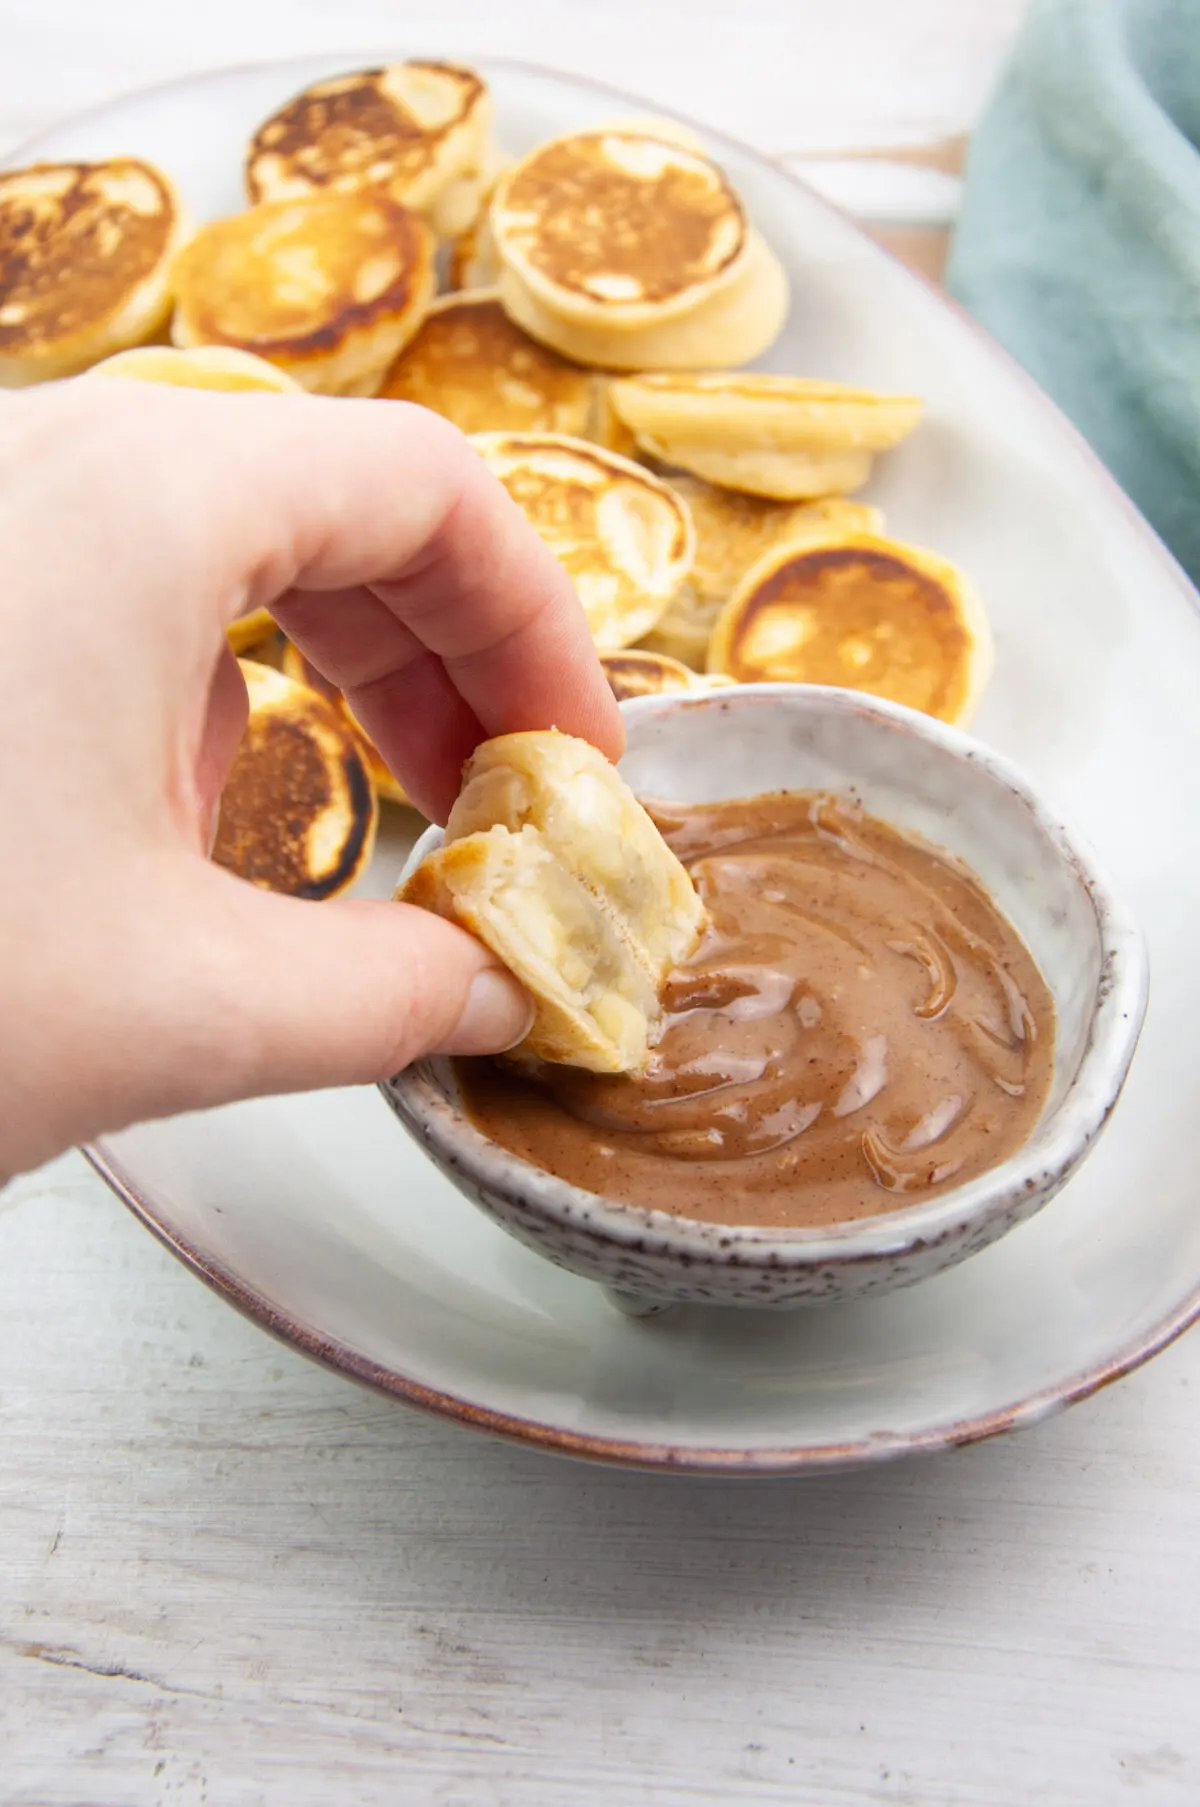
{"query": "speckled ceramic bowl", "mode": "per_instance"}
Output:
(920, 776)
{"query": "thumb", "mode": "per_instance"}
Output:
(282, 995)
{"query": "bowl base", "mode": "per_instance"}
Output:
(637, 1305)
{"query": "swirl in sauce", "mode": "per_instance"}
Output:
(859, 1028)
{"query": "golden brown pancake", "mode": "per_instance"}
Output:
(625, 539)
(752, 411)
(85, 258)
(591, 820)
(248, 632)
(471, 261)
(294, 665)
(472, 364)
(618, 229)
(550, 859)
(329, 287)
(220, 367)
(298, 813)
(732, 533)
(782, 437)
(410, 129)
(782, 476)
(608, 429)
(864, 612)
(636, 672)
(731, 325)
(269, 650)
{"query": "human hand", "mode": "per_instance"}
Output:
(136, 978)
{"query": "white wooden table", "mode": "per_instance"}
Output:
(228, 1578)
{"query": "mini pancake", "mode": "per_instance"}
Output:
(458, 207)
(294, 665)
(462, 206)
(410, 129)
(589, 820)
(329, 287)
(470, 363)
(269, 650)
(624, 538)
(864, 612)
(749, 411)
(248, 632)
(619, 230)
(737, 323)
(550, 859)
(471, 261)
(594, 1005)
(781, 476)
(298, 814)
(607, 428)
(639, 671)
(85, 263)
(634, 672)
(732, 533)
(204, 367)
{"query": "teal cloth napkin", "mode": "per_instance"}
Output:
(1078, 246)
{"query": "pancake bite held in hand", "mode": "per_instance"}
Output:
(550, 859)
(624, 538)
(329, 287)
(621, 249)
(86, 251)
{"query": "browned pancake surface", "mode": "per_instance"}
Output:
(633, 673)
(75, 240)
(597, 222)
(470, 363)
(350, 132)
(302, 275)
(859, 618)
(297, 812)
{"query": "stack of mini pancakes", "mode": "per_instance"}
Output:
(599, 299)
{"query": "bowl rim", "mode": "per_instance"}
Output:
(1060, 1139)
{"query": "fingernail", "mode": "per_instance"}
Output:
(498, 1014)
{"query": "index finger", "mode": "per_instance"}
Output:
(389, 553)
(474, 631)
(424, 594)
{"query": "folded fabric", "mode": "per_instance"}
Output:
(1078, 246)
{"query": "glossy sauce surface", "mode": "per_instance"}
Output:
(859, 1028)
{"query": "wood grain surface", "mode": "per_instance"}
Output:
(229, 1578)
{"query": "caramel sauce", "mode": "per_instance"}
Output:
(860, 1028)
